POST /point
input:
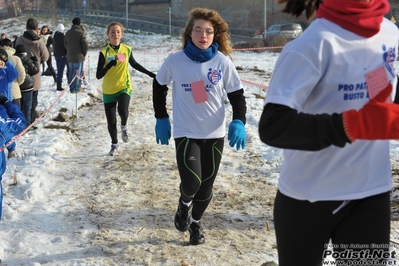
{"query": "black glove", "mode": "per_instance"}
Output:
(3, 99)
(111, 64)
(34, 59)
(3, 55)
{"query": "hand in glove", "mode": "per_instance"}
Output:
(237, 134)
(3, 55)
(163, 130)
(111, 64)
(377, 120)
(3, 99)
(34, 59)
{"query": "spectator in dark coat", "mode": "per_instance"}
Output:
(76, 45)
(35, 47)
(31, 69)
(60, 54)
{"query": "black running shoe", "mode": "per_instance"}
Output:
(182, 217)
(196, 236)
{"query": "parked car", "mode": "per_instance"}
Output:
(288, 30)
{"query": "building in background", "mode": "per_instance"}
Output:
(237, 13)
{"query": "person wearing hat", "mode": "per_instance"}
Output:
(60, 54)
(35, 47)
(76, 46)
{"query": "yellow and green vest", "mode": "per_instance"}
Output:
(117, 79)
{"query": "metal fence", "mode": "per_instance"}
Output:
(141, 23)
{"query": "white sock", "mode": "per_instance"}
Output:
(124, 127)
(193, 221)
(187, 203)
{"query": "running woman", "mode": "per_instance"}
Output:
(201, 72)
(113, 66)
(334, 122)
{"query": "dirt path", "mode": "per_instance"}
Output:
(126, 204)
(125, 207)
(121, 213)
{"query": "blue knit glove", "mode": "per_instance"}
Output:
(237, 134)
(163, 130)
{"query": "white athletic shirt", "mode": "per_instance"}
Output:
(204, 120)
(323, 71)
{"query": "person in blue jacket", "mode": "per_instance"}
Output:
(8, 73)
(12, 122)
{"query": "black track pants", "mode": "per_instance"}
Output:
(198, 162)
(304, 229)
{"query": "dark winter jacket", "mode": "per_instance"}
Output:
(34, 47)
(76, 44)
(31, 69)
(58, 44)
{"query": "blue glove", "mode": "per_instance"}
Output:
(237, 134)
(162, 130)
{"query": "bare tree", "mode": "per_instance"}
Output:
(22, 5)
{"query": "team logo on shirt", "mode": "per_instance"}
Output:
(214, 76)
(389, 56)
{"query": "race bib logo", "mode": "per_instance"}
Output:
(214, 76)
(389, 56)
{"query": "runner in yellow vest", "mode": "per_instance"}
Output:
(117, 87)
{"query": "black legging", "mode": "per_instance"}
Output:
(198, 161)
(303, 229)
(110, 112)
(33, 113)
(50, 67)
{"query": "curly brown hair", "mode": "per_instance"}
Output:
(296, 7)
(220, 27)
